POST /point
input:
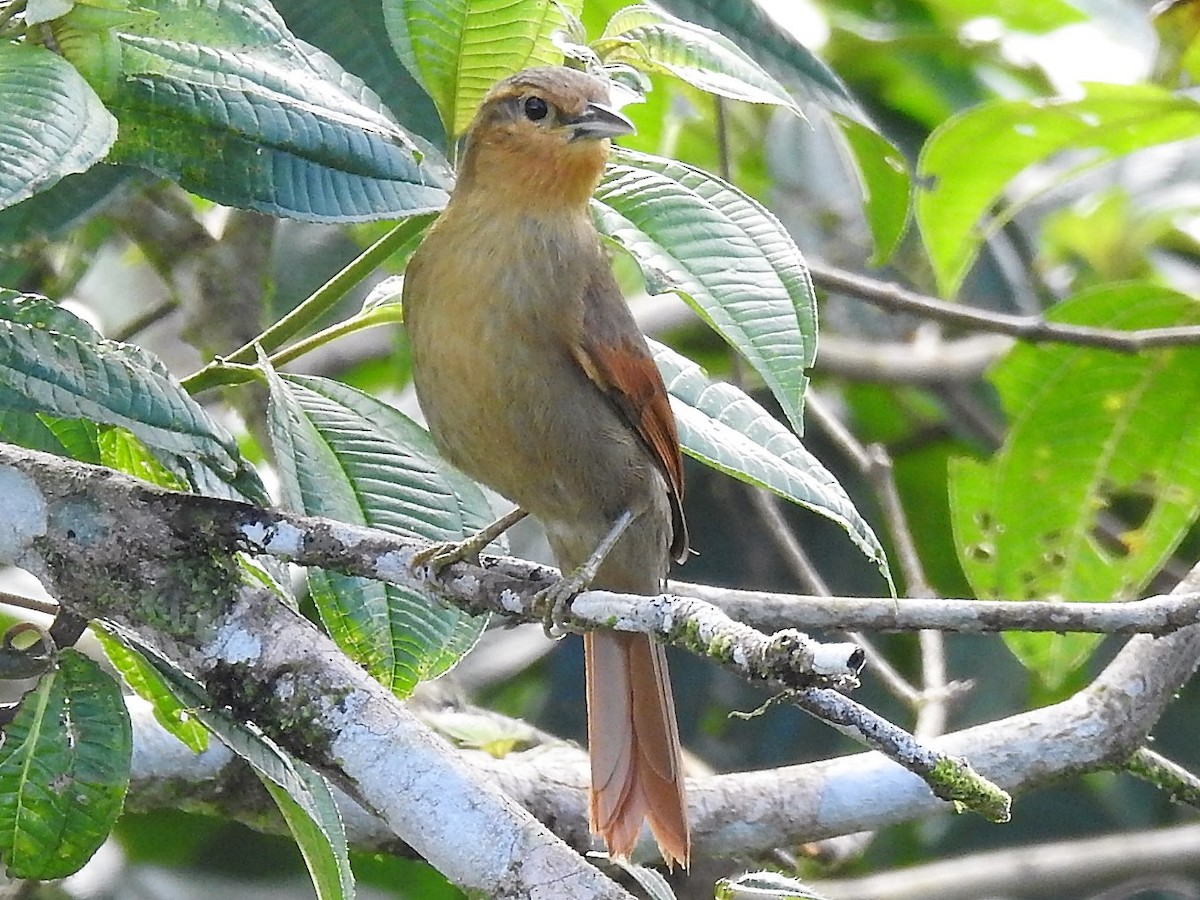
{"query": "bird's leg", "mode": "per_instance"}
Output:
(441, 555)
(552, 602)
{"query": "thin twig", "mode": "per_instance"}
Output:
(1032, 329)
(801, 564)
(1158, 615)
(874, 463)
(321, 301)
(141, 322)
(45, 607)
(1181, 785)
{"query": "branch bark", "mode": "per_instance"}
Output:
(95, 538)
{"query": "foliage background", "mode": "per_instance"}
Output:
(1125, 229)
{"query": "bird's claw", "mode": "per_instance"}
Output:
(445, 553)
(554, 603)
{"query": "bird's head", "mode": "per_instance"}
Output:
(540, 138)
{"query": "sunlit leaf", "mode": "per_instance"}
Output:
(458, 49)
(956, 195)
(1099, 477)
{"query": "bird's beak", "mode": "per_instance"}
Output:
(598, 121)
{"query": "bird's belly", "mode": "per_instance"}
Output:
(522, 418)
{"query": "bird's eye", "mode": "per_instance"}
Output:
(536, 109)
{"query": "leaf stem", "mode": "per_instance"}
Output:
(219, 371)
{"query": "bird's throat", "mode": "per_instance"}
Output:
(534, 177)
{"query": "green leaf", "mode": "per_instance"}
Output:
(457, 49)
(225, 100)
(52, 362)
(776, 50)
(51, 213)
(64, 769)
(348, 456)
(29, 430)
(122, 451)
(956, 192)
(1031, 16)
(723, 253)
(145, 681)
(1094, 436)
(303, 797)
(357, 39)
(51, 123)
(882, 170)
(646, 38)
(722, 427)
(884, 182)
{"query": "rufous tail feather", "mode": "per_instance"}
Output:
(634, 745)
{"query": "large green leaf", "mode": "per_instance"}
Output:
(726, 255)
(724, 428)
(357, 39)
(881, 168)
(457, 49)
(652, 40)
(52, 362)
(64, 768)
(1093, 434)
(53, 212)
(146, 681)
(220, 96)
(51, 123)
(303, 797)
(348, 456)
(957, 191)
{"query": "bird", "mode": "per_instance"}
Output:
(535, 380)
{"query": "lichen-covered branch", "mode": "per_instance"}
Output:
(159, 565)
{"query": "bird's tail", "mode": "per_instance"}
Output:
(634, 745)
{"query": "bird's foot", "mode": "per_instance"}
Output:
(446, 553)
(554, 603)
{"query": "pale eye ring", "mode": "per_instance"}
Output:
(536, 109)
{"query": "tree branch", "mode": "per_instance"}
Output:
(78, 527)
(1158, 615)
(1032, 329)
(110, 547)
(1064, 868)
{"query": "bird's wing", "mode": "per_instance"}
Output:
(614, 355)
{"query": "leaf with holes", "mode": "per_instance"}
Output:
(64, 769)
(1099, 477)
(722, 427)
(724, 254)
(458, 49)
(350, 457)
